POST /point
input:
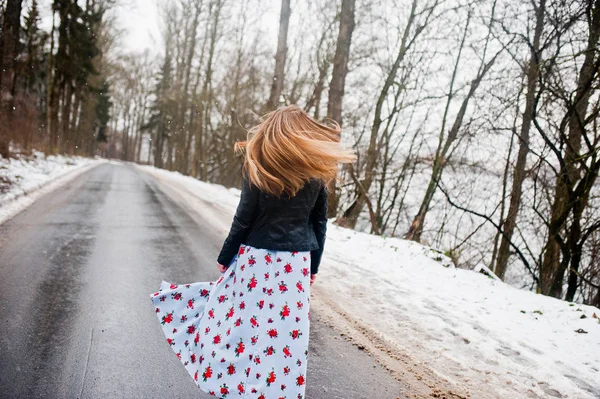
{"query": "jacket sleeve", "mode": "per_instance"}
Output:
(242, 223)
(319, 220)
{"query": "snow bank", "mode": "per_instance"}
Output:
(25, 178)
(487, 337)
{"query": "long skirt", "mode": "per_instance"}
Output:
(245, 335)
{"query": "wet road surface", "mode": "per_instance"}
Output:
(76, 270)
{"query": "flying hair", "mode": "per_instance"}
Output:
(288, 148)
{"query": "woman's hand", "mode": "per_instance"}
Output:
(313, 278)
(222, 268)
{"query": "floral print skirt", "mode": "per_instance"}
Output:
(245, 335)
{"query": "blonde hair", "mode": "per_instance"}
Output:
(288, 148)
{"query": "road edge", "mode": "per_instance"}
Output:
(16, 204)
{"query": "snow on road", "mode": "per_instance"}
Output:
(24, 178)
(488, 339)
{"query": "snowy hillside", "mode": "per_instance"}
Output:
(484, 336)
(24, 177)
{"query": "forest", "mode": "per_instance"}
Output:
(475, 122)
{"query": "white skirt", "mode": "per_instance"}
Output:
(245, 335)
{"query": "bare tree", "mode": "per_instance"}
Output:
(338, 82)
(280, 56)
(532, 72)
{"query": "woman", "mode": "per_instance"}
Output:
(246, 335)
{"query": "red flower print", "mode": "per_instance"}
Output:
(286, 351)
(191, 329)
(271, 306)
(278, 260)
(207, 373)
(295, 334)
(222, 298)
(253, 321)
(163, 298)
(224, 389)
(254, 340)
(197, 338)
(196, 376)
(190, 304)
(299, 286)
(294, 253)
(242, 268)
(252, 283)
(211, 314)
(260, 304)
(305, 271)
(283, 388)
(304, 258)
(282, 287)
(241, 388)
(285, 312)
(157, 310)
(220, 279)
(229, 314)
(193, 358)
(270, 378)
(167, 319)
(170, 341)
(242, 305)
(269, 351)
(183, 319)
(242, 250)
(266, 276)
(272, 333)
(287, 268)
(231, 369)
(217, 339)
(173, 286)
(268, 259)
(176, 296)
(297, 319)
(300, 380)
(240, 348)
(204, 293)
(269, 292)
(299, 304)
(238, 322)
(247, 371)
(262, 397)
(286, 370)
(257, 361)
(206, 330)
(251, 260)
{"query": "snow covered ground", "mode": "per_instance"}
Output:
(25, 178)
(485, 337)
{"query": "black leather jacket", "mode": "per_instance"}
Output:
(264, 221)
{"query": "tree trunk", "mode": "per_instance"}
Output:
(9, 41)
(280, 56)
(533, 70)
(350, 216)
(338, 82)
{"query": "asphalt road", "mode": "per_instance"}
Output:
(76, 271)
